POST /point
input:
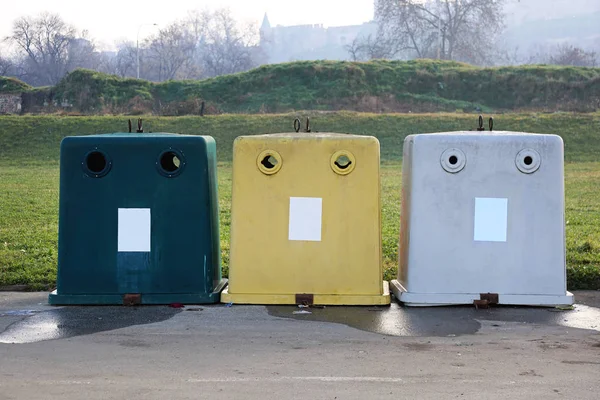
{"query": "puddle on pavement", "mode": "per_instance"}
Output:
(75, 321)
(440, 321)
(36, 326)
(18, 313)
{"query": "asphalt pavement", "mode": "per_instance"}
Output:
(271, 352)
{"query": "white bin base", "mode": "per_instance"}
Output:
(447, 299)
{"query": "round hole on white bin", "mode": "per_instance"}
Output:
(528, 161)
(453, 160)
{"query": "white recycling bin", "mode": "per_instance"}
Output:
(482, 218)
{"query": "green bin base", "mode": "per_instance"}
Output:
(57, 299)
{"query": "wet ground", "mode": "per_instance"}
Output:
(61, 323)
(440, 321)
(34, 321)
(271, 353)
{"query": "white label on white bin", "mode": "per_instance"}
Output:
(134, 230)
(491, 217)
(305, 218)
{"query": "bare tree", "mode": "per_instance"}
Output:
(6, 66)
(462, 30)
(227, 45)
(369, 48)
(50, 48)
(126, 59)
(196, 26)
(560, 54)
(567, 54)
(205, 44)
(170, 50)
(510, 55)
(14, 66)
(121, 63)
(81, 53)
(355, 49)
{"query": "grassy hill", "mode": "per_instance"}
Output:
(375, 86)
(12, 85)
(29, 173)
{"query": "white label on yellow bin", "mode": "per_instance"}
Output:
(134, 230)
(491, 216)
(305, 218)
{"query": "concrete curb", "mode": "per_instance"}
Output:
(14, 288)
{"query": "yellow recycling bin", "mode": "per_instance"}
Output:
(305, 221)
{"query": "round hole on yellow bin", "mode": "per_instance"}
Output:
(343, 162)
(269, 162)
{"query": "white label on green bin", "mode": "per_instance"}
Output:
(491, 217)
(134, 230)
(305, 218)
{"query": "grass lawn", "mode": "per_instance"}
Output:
(29, 174)
(29, 223)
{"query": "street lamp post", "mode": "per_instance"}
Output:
(137, 46)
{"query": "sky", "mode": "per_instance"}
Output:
(110, 20)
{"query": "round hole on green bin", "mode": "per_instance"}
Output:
(96, 162)
(343, 162)
(269, 162)
(170, 162)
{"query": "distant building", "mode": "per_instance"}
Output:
(310, 42)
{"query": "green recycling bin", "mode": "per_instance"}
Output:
(138, 220)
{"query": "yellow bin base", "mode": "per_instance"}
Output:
(319, 299)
